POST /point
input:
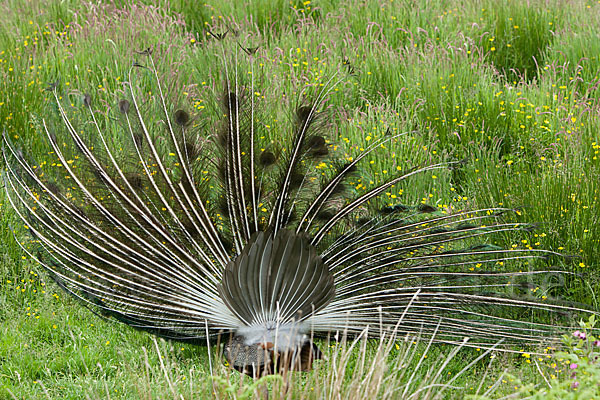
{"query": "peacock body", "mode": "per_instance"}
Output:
(269, 252)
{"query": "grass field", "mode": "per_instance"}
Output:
(509, 87)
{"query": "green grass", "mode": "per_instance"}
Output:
(512, 89)
(50, 347)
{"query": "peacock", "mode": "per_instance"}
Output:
(192, 230)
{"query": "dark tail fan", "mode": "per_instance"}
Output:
(181, 236)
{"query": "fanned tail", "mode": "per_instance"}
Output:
(176, 230)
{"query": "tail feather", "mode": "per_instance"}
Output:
(277, 279)
(177, 233)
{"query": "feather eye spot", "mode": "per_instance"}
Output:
(138, 139)
(53, 188)
(267, 158)
(304, 113)
(325, 215)
(135, 180)
(296, 179)
(398, 208)
(317, 147)
(124, 106)
(316, 142)
(87, 100)
(425, 208)
(181, 117)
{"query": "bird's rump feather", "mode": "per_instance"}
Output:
(277, 280)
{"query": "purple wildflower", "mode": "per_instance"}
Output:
(575, 385)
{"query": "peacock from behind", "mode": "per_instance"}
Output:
(190, 230)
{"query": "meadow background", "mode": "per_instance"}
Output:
(509, 87)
